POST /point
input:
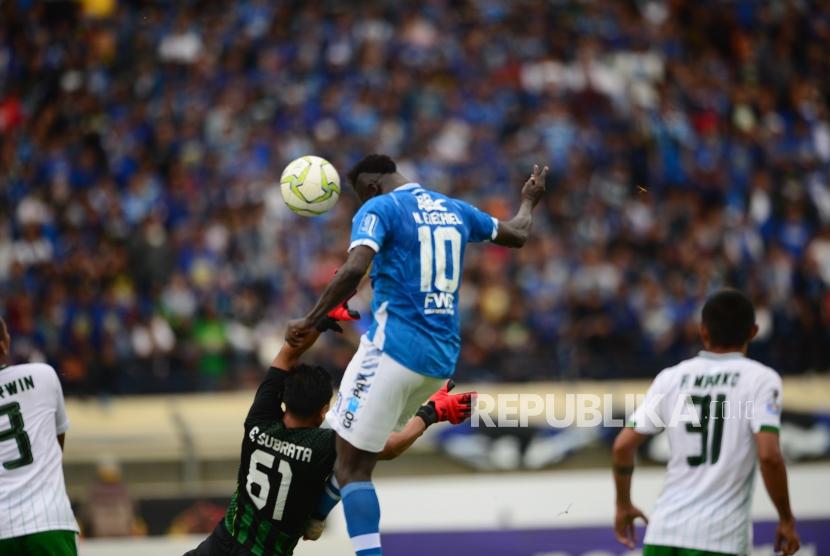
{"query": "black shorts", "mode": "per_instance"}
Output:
(219, 543)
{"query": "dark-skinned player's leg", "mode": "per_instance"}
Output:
(377, 395)
(353, 470)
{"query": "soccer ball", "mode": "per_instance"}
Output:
(310, 185)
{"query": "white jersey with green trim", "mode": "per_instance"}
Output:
(711, 407)
(32, 490)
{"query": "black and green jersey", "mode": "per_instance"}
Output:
(282, 474)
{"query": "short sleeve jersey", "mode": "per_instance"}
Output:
(420, 237)
(282, 474)
(32, 490)
(711, 407)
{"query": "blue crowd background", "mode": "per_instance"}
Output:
(144, 246)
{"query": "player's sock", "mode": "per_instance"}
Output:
(328, 500)
(360, 504)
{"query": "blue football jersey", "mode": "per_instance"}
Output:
(419, 237)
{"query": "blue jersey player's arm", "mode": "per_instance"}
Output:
(370, 228)
(267, 405)
(514, 232)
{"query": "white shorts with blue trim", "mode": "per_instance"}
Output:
(378, 395)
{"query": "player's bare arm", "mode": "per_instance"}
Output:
(514, 232)
(399, 442)
(344, 283)
(625, 449)
(774, 472)
(442, 406)
(5, 341)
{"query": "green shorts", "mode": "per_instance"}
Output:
(657, 550)
(46, 543)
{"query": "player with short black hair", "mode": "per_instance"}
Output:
(728, 318)
(414, 239)
(374, 164)
(307, 389)
(704, 507)
(285, 487)
(36, 515)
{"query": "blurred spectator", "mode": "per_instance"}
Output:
(144, 246)
(200, 518)
(109, 510)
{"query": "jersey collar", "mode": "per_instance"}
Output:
(407, 186)
(712, 355)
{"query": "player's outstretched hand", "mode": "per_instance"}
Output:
(786, 538)
(455, 408)
(299, 332)
(293, 348)
(624, 526)
(534, 187)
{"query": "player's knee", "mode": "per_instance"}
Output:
(351, 471)
(354, 466)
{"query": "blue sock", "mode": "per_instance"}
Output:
(328, 500)
(360, 504)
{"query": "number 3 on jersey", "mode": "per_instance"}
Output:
(435, 260)
(16, 433)
(259, 478)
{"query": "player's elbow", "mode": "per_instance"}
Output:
(519, 240)
(515, 232)
(513, 238)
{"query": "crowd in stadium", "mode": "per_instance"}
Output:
(144, 245)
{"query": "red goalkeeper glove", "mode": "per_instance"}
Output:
(443, 406)
(339, 313)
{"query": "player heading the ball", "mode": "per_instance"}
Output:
(414, 238)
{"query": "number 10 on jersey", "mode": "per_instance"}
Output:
(434, 271)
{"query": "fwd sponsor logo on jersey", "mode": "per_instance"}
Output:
(19, 385)
(287, 449)
(439, 303)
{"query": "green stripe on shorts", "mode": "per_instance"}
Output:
(53, 543)
(658, 550)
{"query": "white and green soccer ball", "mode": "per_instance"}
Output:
(310, 185)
